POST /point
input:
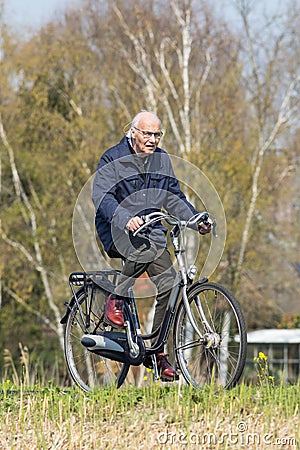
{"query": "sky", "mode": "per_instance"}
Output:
(31, 14)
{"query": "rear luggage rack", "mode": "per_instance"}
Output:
(106, 279)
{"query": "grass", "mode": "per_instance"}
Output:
(158, 416)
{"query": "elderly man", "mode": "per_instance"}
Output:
(135, 178)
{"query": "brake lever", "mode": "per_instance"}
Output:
(214, 228)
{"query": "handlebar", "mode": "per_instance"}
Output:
(151, 218)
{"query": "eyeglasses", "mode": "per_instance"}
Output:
(147, 134)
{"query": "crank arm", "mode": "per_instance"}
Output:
(134, 348)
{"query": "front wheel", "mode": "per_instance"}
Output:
(87, 369)
(217, 356)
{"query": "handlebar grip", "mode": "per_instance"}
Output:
(205, 219)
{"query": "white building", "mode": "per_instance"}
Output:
(282, 347)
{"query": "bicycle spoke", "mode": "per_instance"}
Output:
(88, 369)
(219, 357)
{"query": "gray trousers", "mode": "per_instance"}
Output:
(158, 265)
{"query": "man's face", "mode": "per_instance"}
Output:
(142, 143)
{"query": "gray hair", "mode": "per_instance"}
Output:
(136, 118)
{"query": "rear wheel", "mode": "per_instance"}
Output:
(89, 370)
(219, 355)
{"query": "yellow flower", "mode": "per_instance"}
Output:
(145, 378)
(261, 355)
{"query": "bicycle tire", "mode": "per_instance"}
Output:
(199, 361)
(87, 369)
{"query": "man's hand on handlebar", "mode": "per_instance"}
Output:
(204, 222)
(134, 223)
(204, 228)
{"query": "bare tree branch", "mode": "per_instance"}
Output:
(20, 248)
(184, 20)
(16, 179)
(200, 86)
(142, 66)
(22, 302)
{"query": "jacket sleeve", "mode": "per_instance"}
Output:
(104, 195)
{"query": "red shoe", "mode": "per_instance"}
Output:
(114, 311)
(167, 372)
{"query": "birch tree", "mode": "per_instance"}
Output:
(272, 116)
(164, 67)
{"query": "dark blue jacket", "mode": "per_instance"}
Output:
(127, 185)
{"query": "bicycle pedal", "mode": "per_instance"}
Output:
(165, 379)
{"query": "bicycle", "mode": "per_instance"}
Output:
(209, 332)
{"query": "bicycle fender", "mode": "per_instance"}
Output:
(69, 305)
(197, 283)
